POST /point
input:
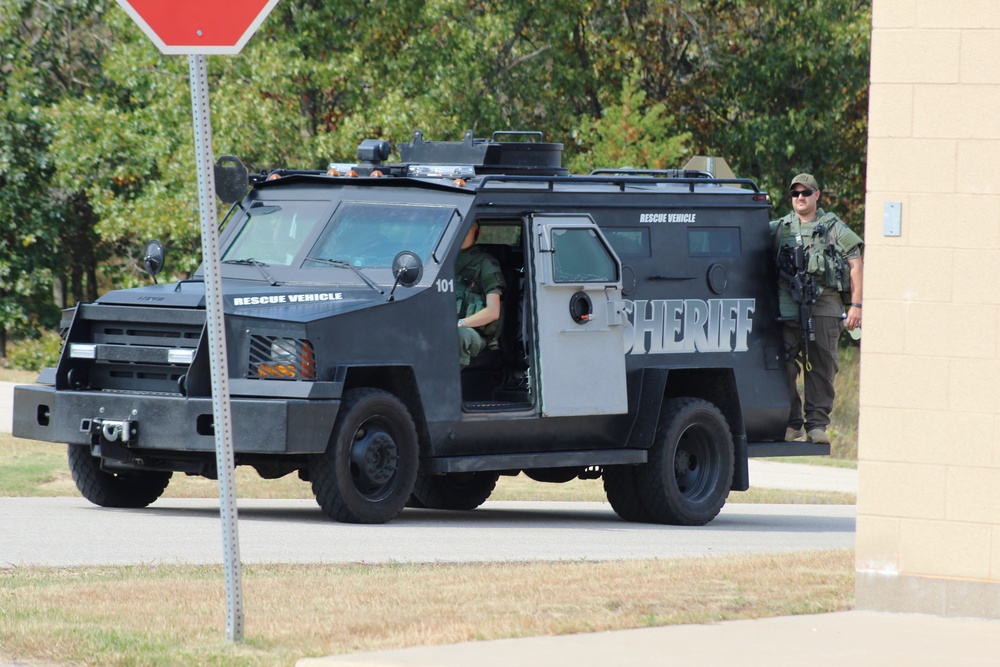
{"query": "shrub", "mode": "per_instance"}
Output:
(844, 419)
(34, 354)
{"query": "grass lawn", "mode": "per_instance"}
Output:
(174, 615)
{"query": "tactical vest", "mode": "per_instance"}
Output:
(473, 267)
(825, 258)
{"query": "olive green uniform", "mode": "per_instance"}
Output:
(477, 274)
(828, 243)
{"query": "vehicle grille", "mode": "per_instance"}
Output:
(136, 349)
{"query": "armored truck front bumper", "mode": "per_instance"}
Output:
(176, 423)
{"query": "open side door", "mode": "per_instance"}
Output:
(579, 318)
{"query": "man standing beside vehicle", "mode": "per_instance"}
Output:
(478, 287)
(820, 270)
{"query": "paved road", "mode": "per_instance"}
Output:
(71, 531)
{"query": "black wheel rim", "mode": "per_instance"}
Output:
(696, 464)
(374, 459)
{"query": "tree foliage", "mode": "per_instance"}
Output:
(96, 148)
(50, 53)
(628, 134)
(787, 94)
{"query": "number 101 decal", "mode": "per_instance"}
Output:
(445, 284)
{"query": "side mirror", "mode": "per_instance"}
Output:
(407, 269)
(231, 179)
(153, 257)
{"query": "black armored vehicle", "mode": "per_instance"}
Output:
(638, 340)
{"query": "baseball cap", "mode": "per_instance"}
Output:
(806, 180)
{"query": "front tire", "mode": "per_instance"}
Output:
(129, 489)
(689, 473)
(368, 470)
(455, 491)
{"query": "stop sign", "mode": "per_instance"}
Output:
(198, 26)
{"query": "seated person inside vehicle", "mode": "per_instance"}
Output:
(479, 286)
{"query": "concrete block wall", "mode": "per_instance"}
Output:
(928, 535)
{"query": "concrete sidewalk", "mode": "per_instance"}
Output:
(845, 639)
(800, 477)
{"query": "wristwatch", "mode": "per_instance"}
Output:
(855, 305)
(461, 323)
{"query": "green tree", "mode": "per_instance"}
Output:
(96, 149)
(629, 135)
(782, 87)
(49, 52)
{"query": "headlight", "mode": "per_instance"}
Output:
(180, 356)
(282, 358)
(82, 351)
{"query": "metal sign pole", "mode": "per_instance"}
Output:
(224, 456)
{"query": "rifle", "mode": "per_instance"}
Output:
(805, 292)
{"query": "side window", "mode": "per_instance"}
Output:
(714, 242)
(629, 242)
(579, 255)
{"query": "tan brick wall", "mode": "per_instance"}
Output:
(929, 472)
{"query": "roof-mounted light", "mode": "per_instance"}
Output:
(440, 171)
(339, 168)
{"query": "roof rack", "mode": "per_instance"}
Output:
(665, 173)
(622, 181)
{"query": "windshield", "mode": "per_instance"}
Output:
(369, 235)
(273, 233)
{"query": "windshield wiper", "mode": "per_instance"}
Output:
(260, 267)
(342, 264)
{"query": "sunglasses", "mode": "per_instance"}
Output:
(801, 193)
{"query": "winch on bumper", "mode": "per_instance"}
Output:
(260, 425)
(111, 430)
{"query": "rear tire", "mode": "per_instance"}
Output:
(689, 473)
(367, 473)
(129, 489)
(455, 491)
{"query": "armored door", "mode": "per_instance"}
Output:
(579, 318)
